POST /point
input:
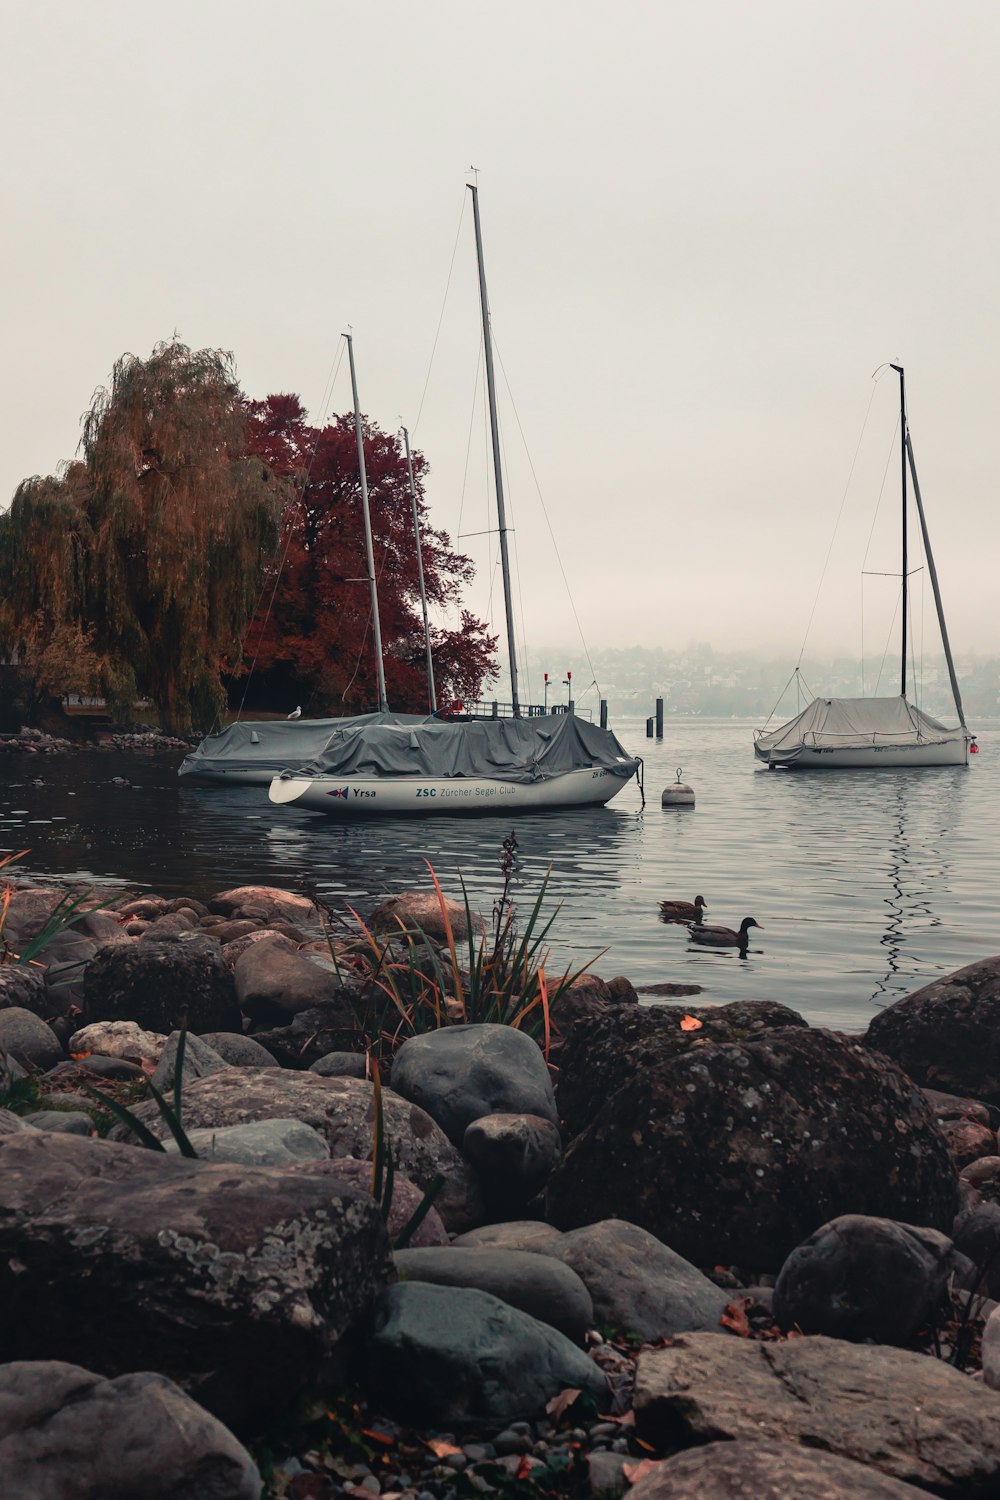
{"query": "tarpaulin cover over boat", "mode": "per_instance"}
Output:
(521, 750)
(853, 723)
(269, 746)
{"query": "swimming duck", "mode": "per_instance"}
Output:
(723, 937)
(683, 911)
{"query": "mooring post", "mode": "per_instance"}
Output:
(649, 729)
(659, 718)
(604, 713)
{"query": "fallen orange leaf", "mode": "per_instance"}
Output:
(691, 1023)
(440, 1448)
(558, 1404)
(634, 1472)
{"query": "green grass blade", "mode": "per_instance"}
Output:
(141, 1132)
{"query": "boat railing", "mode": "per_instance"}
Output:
(494, 709)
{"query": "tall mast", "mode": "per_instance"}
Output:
(420, 575)
(504, 560)
(382, 700)
(902, 454)
(932, 570)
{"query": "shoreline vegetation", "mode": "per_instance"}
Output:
(429, 1219)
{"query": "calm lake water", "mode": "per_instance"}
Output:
(867, 885)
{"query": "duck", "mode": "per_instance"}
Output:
(683, 911)
(723, 937)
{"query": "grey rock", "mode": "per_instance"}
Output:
(238, 1282)
(272, 903)
(161, 985)
(264, 1143)
(518, 1234)
(29, 909)
(946, 1036)
(28, 1039)
(341, 1065)
(515, 1153)
(461, 1073)
(953, 1107)
(69, 1121)
(342, 1110)
(639, 1285)
(238, 1050)
(23, 988)
(977, 1235)
(274, 983)
(311, 1034)
(11, 1124)
(452, 1355)
(861, 1277)
(66, 958)
(200, 1060)
(767, 1471)
(914, 1418)
(117, 1039)
(235, 949)
(606, 1471)
(117, 1068)
(67, 1434)
(171, 924)
(991, 1349)
(537, 1284)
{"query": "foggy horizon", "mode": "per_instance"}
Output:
(704, 229)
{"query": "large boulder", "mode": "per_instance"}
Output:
(516, 1155)
(747, 1470)
(736, 1151)
(639, 1285)
(610, 1047)
(947, 1035)
(405, 1200)
(343, 1111)
(238, 1050)
(163, 984)
(265, 1143)
(460, 1073)
(452, 1355)
(240, 1283)
(28, 1039)
(273, 984)
(311, 1034)
(67, 1434)
(420, 913)
(914, 1418)
(199, 1061)
(537, 1284)
(861, 1277)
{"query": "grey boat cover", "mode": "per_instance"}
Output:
(852, 723)
(263, 747)
(520, 750)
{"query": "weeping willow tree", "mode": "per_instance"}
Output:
(149, 554)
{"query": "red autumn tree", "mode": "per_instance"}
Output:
(311, 640)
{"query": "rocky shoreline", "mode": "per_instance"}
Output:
(28, 741)
(703, 1252)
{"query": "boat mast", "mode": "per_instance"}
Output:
(504, 561)
(934, 583)
(902, 454)
(420, 575)
(382, 700)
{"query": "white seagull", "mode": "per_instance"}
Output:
(295, 714)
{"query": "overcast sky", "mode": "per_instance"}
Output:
(706, 224)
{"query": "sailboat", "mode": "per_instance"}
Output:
(521, 764)
(875, 733)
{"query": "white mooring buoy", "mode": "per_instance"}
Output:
(678, 795)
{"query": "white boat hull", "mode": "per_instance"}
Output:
(365, 796)
(866, 757)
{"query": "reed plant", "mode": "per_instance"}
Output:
(501, 975)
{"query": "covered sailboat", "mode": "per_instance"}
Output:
(252, 752)
(488, 765)
(870, 733)
(518, 764)
(854, 732)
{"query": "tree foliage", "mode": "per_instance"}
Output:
(311, 640)
(143, 563)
